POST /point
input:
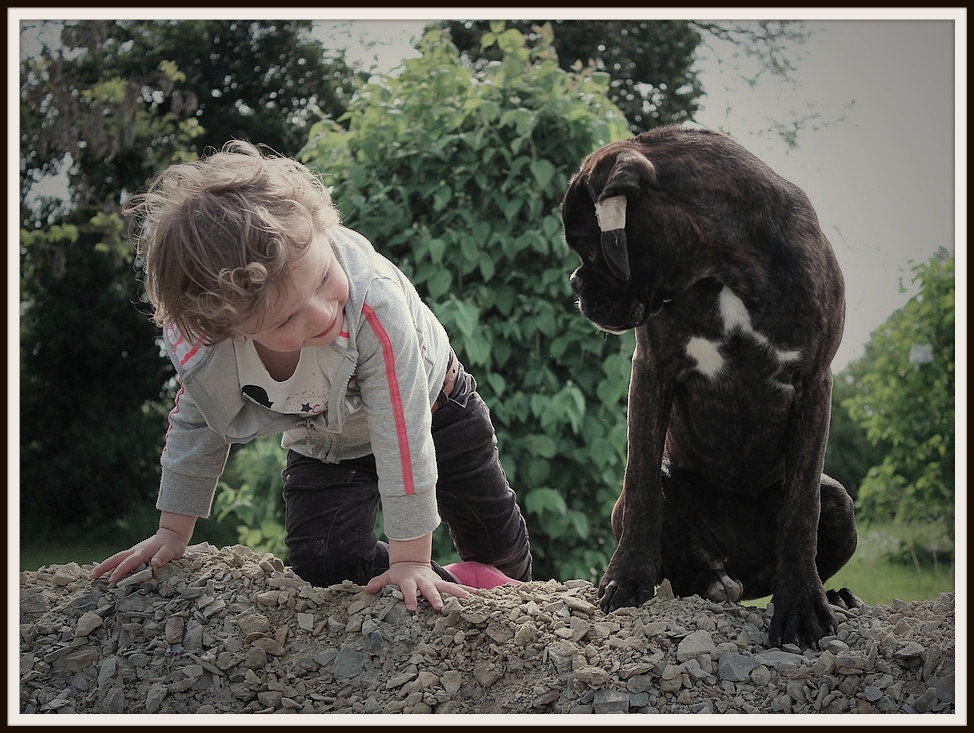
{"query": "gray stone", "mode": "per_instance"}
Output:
(909, 650)
(761, 676)
(672, 678)
(155, 696)
(694, 645)
(694, 670)
(775, 658)
(706, 706)
(114, 702)
(348, 663)
(925, 702)
(193, 636)
(33, 603)
(76, 661)
(142, 576)
(610, 701)
(735, 667)
(872, 693)
(67, 574)
(88, 622)
(592, 676)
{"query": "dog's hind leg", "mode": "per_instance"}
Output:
(699, 543)
(717, 585)
(695, 562)
(837, 540)
(837, 536)
(720, 545)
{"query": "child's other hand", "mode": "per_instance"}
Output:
(157, 550)
(414, 578)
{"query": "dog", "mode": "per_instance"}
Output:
(738, 306)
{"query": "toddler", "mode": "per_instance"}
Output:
(278, 319)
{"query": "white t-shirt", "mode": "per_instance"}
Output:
(304, 393)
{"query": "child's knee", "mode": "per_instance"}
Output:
(316, 562)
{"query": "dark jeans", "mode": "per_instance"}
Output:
(332, 507)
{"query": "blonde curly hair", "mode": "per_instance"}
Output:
(215, 236)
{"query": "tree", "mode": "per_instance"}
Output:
(89, 370)
(103, 107)
(904, 399)
(650, 62)
(849, 454)
(457, 175)
(266, 80)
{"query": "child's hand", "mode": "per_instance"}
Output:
(157, 550)
(414, 578)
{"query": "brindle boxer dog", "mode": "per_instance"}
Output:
(738, 305)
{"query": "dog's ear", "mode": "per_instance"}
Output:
(629, 170)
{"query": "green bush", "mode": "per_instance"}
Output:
(249, 496)
(457, 176)
(902, 392)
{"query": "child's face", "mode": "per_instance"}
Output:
(308, 304)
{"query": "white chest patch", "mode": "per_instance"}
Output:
(735, 318)
(707, 355)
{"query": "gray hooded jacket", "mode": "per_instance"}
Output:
(383, 382)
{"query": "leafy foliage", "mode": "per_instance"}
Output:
(104, 106)
(90, 373)
(650, 62)
(263, 80)
(904, 399)
(849, 454)
(247, 496)
(457, 175)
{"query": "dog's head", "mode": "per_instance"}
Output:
(631, 230)
(595, 212)
(654, 214)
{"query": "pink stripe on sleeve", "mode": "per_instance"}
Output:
(397, 408)
(181, 348)
(192, 352)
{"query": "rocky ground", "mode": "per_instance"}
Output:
(230, 631)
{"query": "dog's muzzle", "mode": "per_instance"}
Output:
(606, 303)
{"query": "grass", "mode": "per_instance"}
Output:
(871, 574)
(920, 573)
(75, 546)
(874, 576)
(34, 556)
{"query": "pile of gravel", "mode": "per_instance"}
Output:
(231, 631)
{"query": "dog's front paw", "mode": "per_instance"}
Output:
(615, 594)
(801, 618)
(627, 584)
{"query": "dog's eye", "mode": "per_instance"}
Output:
(585, 250)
